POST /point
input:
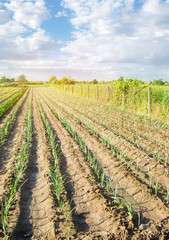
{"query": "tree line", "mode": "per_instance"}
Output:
(68, 80)
(120, 81)
(21, 78)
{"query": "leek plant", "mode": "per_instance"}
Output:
(9, 103)
(58, 181)
(92, 160)
(10, 120)
(156, 187)
(16, 178)
(167, 194)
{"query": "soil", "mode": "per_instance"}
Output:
(93, 214)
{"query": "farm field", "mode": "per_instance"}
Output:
(72, 168)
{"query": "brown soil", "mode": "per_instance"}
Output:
(149, 135)
(91, 210)
(146, 164)
(10, 146)
(151, 207)
(35, 213)
(3, 101)
(34, 218)
(4, 118)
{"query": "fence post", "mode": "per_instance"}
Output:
(72, 89)
(88, 91)
(97, 92)
(149, 101)
(81, 90)
(123, 97)
(107, 88)
(77, 88)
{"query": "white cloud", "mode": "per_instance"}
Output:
(21, 36)
(61, 14)
(113, 31)
(110, 38)
(28, 12)
(4, 17)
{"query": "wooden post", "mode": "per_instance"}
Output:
(149, 101)
(97, 92)
(107, 88)
(88, 91)
(123, 97)
(77, 89)
(72, 89)
(81, 91)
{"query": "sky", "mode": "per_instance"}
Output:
(84, 39)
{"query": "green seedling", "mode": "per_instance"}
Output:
(167, 194)
(156, 187)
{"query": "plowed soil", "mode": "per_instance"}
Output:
(35, 213)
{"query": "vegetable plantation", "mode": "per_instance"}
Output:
(74, 168)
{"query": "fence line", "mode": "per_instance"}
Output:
(138, 100)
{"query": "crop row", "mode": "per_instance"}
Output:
(154, 148)
(104, 182)
(131, 167)
(8, 95)
(6, 90)
(8, 199)
(9, 103)
(153, 182)
(5, 129)
(110, 110)
(58, 181)
(93, 161)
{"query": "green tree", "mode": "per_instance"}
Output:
(120, 79)
(53, 80)
(159, 82)
(94, 81)
(22, 78)
(64, 80)
(6, 80)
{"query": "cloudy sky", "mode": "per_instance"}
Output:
(84, 39)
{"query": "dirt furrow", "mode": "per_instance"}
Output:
(7, 115)
(90, 207)
(148, 139)
(151, 207)
(3, 101)
(145, 134)
(145, 164)
(34, 218)
(9, 149)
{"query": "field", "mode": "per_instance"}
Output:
(74, 168)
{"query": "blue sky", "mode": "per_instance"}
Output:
(84, 39)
